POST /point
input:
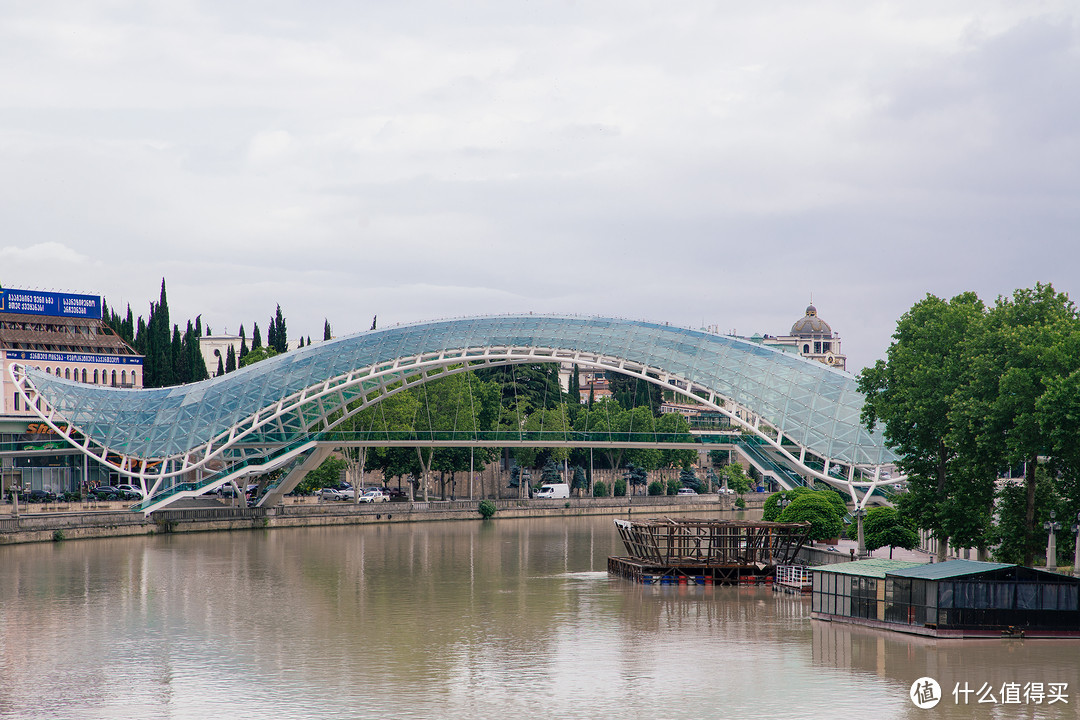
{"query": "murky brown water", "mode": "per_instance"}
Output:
(450, 620)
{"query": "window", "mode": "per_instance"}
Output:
(16, 402)
(114, 378)
(96, 381)
(123, 377)
(84, 375)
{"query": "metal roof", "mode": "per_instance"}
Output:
(949, 569)
(871, 567)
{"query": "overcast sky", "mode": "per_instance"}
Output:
(707, 163)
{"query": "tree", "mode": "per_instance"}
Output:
(885, 527)
(1010, 366)
(243, 344)
(579, 481)
(825, 523)
(258, 355)
(326, 334)
(281, 335)
(912, 394)
(230, 359)
(328, 474)
(771, 509)
(735, 478)
(256, 338)
(689, 479)
(220, 366)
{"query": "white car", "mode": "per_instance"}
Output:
(374, 496)
(686, 491)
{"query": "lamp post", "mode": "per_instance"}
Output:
(1051, 542)
(859, 532)
(1076, 548)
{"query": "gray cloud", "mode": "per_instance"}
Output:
(702, 163)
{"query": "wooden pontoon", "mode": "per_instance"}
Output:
(707, 551)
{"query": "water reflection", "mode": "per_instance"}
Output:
(457, 620)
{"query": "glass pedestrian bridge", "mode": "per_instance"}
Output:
(184, 440)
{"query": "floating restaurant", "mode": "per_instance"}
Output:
(958, 598)
(665, 551)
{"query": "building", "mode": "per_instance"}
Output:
(61, 334)
(959, 598)
(810, 337)
(214, 347)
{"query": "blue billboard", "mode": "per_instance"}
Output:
(39, 302)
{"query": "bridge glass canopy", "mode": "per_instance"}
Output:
(813, 405)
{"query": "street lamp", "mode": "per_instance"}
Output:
(859, 532)
(1076, 549)
(1051, 542)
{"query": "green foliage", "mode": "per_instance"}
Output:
(688, 478)
(257, 355)
(736, 478)
(740, 503)
(326, 475)
(885, 527)
(550, 472)
(817, 510)
(656, 488)
(579, 482)
(967, 390)
(771, 509)
(58, 535)
(600, 489)
(486, 508)
(619, 488)
(673, 487)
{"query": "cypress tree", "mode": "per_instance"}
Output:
(281, 335)
(325, 330)
(220, 367)
(230, 359)
(271, 335)
(178, 365)
(243, 343)
(256, 338)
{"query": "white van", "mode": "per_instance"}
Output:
(556, 490)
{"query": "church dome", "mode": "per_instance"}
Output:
(810, 324)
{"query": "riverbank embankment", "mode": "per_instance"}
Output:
(77, 521)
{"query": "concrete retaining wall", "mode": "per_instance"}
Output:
(83, 524)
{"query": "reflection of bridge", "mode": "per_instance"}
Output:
(284, 412)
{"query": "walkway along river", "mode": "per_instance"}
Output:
(72, 521)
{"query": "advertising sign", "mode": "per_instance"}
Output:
(48, 357)
(38, 302)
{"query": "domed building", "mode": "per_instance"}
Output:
(812, 338)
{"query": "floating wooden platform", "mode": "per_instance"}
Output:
(705, 552)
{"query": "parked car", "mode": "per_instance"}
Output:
(40, 496)
(347, 494)
(106, 492)
(130, 492)
(726, 491)
(227, 490)
(330, 494)
(686, 491)
(374, 496)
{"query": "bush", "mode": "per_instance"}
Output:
(673, 487)
(740, 503)
(599, 489)
(818, 511)
(656, 488)
(57, 535)
(486, 508)
(619, 489)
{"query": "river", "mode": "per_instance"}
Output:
(496, 619)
